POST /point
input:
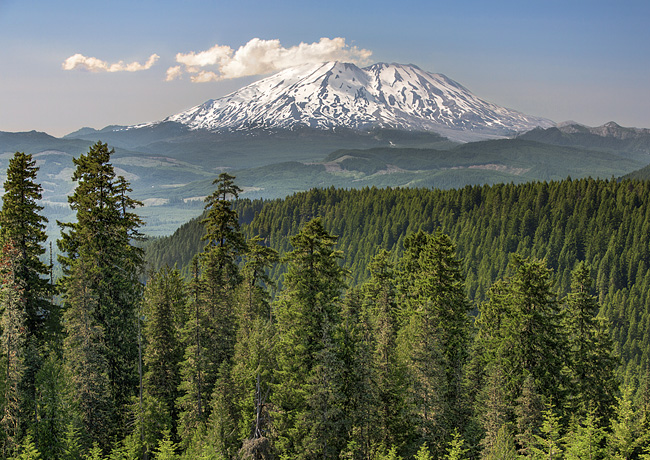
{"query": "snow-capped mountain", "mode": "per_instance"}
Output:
(334, 94)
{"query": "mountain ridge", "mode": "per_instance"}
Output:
(334, 94)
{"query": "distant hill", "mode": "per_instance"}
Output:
(172, 175)
(608, 137)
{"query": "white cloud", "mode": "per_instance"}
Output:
(258, 57)
(92, 64)
(174, 73)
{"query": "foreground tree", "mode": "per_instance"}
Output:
(209, 336)
(434, 336)
(100, 291)
(27, 292)
(591, 363)
(13, 342)
(165, 315)
(306, 413)
(22, 224)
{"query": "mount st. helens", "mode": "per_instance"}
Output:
(330, 125)
(339, 95)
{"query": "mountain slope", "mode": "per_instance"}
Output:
(334, 95)
(608, 137)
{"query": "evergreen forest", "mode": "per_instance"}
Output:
(488, 322)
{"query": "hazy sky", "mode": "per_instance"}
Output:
(69, 64)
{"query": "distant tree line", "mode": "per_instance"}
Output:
(397, 361)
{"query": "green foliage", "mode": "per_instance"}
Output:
(166, 449)
(456, 449)
(628, 436)
(28, 450)
(95, 453)
(324, 370)
(100, 291)
(584, 439)
(591, 364)
(22, 224)
(305, 395)
(423, 453)
(548, 444)
(503, 447)
(165, 316)
(434, 336)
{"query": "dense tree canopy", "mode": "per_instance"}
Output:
(482, 323)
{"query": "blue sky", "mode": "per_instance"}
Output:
(587, 61)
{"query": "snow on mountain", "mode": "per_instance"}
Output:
(334, 94)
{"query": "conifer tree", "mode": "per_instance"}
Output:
(434, 336)
(28, 450)
(22, 228)
(380, 313)
(100, 291)
(503, 447)
(253, 359)
(210, 333)
(549, 443)
(164, 310)
(456, 449)
(584, 439)
(591, 363)
(224, 245)
(192, 401)
(520, 335)
(12, 342)
(307, 312)
(22, 224)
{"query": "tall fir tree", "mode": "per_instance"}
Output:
(209, 337)
(520, 336)
(164, 310)
(13, 343)
(380, 317)
(100, 290)
(434, 336)
(22, 228)
(23, 225)
(253, 361)
(225, 244)
(308, 310)
(592, 366)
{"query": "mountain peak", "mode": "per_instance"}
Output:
(338, 94)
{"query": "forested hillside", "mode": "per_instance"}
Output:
(493, 322)
(604, 223)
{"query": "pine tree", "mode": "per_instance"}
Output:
(307, 313)
(22, 228)
(503, 447)
(435, 335)
(28, 450)
(100, 290)
(584, 440)
(219, 270)
(548, 444)
(253, 360)
(456, 449)
(210, 334)
(591, 363)
(51, 407)
(519, 334)
(22, 224)
(381, 316)
(192, 402)
(164, 310)
(627, 437)
(166, 449)
(13, 343)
